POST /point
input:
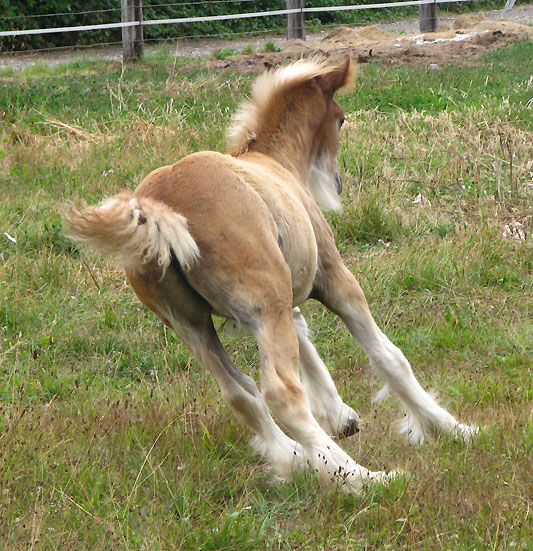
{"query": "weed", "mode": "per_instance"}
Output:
(247, 50)
(270, 47)
(223, 54)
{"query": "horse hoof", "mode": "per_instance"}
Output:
(351, 428)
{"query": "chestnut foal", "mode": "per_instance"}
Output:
(242, 236)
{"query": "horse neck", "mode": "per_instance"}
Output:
(292, 149)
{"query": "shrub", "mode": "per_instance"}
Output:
(21, 14)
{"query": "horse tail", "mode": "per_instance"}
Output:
(139, 230)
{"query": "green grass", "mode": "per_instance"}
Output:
(224, 53)
(451, 89)
(111, 437)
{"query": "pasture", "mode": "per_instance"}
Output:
(111, 437)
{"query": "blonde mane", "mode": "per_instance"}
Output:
(248, 121)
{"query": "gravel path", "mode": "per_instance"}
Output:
(519, 14)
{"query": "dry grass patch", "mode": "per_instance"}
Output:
(429, 171)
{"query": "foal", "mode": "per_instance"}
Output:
(242, 236)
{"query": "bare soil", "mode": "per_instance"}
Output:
(459, 42)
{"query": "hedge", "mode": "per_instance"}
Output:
(17, 14)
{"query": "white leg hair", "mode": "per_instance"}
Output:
(424, 417)
(287, 400)
(333, 415)
(341, 293)
(284, 455)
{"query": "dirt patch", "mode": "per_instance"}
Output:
(460, 44)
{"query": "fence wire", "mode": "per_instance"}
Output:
(197, 3)
(57, 14)
(193, 37)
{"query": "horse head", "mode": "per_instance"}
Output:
(294, 118)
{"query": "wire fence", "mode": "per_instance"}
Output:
(190, 21)
(167, 40)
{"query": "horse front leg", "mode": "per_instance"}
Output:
(340, 292)
(333, 415)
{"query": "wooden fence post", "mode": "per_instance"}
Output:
(428, 17)
(132, 37)
(138, 43)
(295, 21)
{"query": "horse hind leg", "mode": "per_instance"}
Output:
(262, 301)
(258, 293)
(287, 400)
(189, 315)
(333, 415)
(270, 442)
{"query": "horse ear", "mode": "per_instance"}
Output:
(341, 77)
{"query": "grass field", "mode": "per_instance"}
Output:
(112, 438)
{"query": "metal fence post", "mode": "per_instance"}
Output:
(132, 37)
(295, 21)
(428, 17)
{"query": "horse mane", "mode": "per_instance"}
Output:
(269, 87)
